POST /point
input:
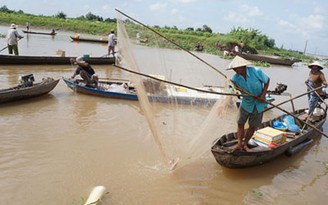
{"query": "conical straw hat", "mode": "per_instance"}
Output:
(317, 64)
(238, 62)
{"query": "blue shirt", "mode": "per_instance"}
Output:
(253, 83)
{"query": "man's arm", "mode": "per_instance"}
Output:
(264, 92)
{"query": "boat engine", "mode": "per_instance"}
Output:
(26, 80)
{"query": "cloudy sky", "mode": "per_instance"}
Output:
(291, 23)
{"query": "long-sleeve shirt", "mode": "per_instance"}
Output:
(12, 37)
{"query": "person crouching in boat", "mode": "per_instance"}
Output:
(255, 82)
(86, 72)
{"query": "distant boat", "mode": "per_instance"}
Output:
(89, 40)
(27, 89)
(42, 33)
(51, 60)
(268, 59)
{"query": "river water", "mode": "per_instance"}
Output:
(54, 149)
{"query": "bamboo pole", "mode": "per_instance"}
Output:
(294, 98)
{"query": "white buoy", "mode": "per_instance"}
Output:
(95, 195)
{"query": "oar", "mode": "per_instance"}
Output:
(229, 80)
(3, 49)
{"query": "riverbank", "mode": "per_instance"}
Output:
(212, 43)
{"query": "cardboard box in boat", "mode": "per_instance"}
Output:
(267, 135)
(60, 53)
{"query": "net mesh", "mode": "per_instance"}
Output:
(181, 120)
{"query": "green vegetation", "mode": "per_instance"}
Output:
(59, 21)
(254, 41)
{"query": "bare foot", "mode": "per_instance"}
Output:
(234, 148)
(246, 149)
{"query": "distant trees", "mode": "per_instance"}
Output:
(205, 29)
(252, 37)
(5, 9)
(61, 15)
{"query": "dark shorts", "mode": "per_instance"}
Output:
(254, 119)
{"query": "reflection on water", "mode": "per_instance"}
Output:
(54, 149)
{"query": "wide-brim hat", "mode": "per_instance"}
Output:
(13, 26)
(238, 62)
(80, 60)
(316, 63)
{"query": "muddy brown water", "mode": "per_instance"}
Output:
(54, 149)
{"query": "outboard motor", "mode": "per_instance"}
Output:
(26, 80)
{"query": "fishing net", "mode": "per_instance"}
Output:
(180, 95)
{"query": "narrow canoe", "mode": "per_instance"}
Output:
(51, 60)
(42, 33)
(124, 90)
(261, 154)
(268, 59)
(88, 40)
(21, 92)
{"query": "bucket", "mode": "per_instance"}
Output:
(86, 55)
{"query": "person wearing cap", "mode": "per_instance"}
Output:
(249, 80)
(12, 39)
(315, 80)
(111, 42)
(86, 72)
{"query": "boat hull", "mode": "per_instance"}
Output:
(88, 40)
(41, 33)
(271, 60)
(20, 93)
(258, 155)
(51, 60)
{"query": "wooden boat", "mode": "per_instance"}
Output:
(51, 60)
(41, 33)
(262, 154)
(122, 89)
(28, 90)
(268, 59)
(88, 40)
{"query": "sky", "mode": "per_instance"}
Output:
(293, 24)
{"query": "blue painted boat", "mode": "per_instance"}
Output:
(109, 89)
(122, 89)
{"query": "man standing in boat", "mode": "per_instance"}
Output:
(255, 82)
(12, 39)
(315, 80)
(86, 72)
(111, 42)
